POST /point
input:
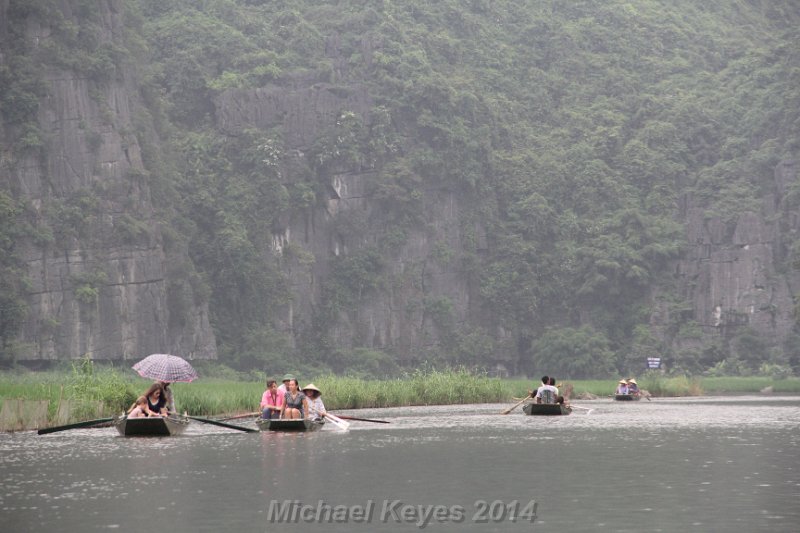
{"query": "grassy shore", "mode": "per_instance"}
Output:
(86, 387)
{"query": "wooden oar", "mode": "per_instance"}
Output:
(222, 424)
(246, 415)
(76, 425)
(364, 419)
(515, 405)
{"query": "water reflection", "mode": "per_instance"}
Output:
(709, 464)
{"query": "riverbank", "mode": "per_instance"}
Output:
(86, 393)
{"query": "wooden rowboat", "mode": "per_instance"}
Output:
(155, 426)
(627, 397)
(289, 425)
(546, 409)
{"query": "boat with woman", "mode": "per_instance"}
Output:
(151, 426)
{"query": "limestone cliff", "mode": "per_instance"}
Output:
(737, 274)
(101, 281)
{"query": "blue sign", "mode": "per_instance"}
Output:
(653, 362)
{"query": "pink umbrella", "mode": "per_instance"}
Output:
(164, 367)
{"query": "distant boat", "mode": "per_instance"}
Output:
(627, 397)
(151, 426)
(289, 425)
(546, 409)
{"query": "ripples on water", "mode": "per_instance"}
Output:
(700, 464)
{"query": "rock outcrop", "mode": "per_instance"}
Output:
(737, 274)
(100, 277)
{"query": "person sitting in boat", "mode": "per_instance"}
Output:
(295, 403)
(284, 384)
(633, 387)
(547, 393)
(169, 399)
(156, 400)
(271, 401)
(316, 409)
(559, 398)
(139, 408)
(622, 388)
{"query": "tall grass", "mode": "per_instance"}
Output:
(86, 386)
(221, 396)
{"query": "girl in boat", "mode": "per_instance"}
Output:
(139, 408)
(316, 409)
(271, 401)
(295, 403)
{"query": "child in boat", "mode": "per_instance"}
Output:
(271, 401)
(316, 409)
(139, 408)
(622, 388)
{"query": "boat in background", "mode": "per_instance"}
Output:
(546, 409)
(152, 426)
(627, 397)
(302, 424)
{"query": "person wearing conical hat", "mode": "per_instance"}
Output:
(633, 387)
(622, 388)
(316, 409)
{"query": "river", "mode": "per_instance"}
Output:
(673, 465)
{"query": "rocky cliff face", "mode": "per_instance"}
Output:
(398, 316)
(737, 275)
(99, 273)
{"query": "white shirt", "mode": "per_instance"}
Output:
(547, 390)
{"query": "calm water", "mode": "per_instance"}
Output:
(710, 464)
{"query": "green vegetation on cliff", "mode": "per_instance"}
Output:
(573, 130)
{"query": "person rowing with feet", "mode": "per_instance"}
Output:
(316, 409)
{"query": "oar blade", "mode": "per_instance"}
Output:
(338, 422)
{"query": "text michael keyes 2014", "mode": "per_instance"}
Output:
(398, 512)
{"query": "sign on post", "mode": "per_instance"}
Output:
(653, 362)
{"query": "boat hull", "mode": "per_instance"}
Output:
(546, 409)
(627, 397)
(150, 426)
(288, 425)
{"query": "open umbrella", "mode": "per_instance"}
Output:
(165, 367)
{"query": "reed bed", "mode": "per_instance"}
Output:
(91, 392)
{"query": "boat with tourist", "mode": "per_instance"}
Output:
(151, 426)
(546, 409)
(291, 425)
(628, 397)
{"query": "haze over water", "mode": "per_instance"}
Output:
(701, 464)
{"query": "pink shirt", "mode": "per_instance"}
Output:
(268, 401)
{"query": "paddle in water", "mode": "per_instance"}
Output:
(76, 425)
(515, 405)
(223, 424)
(364, 419)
